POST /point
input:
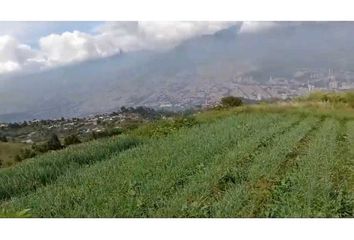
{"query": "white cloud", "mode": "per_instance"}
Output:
(68, 47)
(112, 37)
(156, 35)
(108, 39)
(13, 55)
(9, 66)
(254, 27)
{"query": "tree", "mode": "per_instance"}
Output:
(54, 143)
(231, 101)
(71, 139)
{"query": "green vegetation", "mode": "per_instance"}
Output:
(3, 138)
(54, 143)
(164, 127)
(319, 184)
(9, 151)
(268, 160)
(54, 134)
(331, 97)
(20, 214)
(45, 169)
(24, 154)
(71, 139)
(231, 101)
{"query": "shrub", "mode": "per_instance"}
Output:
(72, 139)
(54, 143)
(24, 154)
(41, 148)
(231, 101)
(18, 158)
(3, 138)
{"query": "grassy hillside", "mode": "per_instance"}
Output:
(254, 161)
(8, 151)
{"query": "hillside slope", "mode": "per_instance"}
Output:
(242, 163)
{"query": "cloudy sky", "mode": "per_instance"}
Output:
(32, 46)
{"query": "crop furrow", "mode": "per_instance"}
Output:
(208, 185)
(290, 162)
(133, 183)
(308, 189)
(41, 171)
(242, 199)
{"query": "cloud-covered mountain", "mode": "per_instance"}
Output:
(60, 48)
(143, 76)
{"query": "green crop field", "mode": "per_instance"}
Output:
(238, 163)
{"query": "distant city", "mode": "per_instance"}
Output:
(303, 82)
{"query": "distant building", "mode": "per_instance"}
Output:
(347, 86)
(332, 82)
(309, 86)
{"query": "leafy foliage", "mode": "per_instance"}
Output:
(231, 101)
(71, 139)
(54, 143)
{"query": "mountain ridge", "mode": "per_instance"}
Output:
(193, 68)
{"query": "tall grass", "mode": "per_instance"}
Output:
(139, 181)
(331, 97)
(43, 170)
(245, 197)
(243, 163)
(209, 183)
(308, 190)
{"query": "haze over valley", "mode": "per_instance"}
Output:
(278, 60)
